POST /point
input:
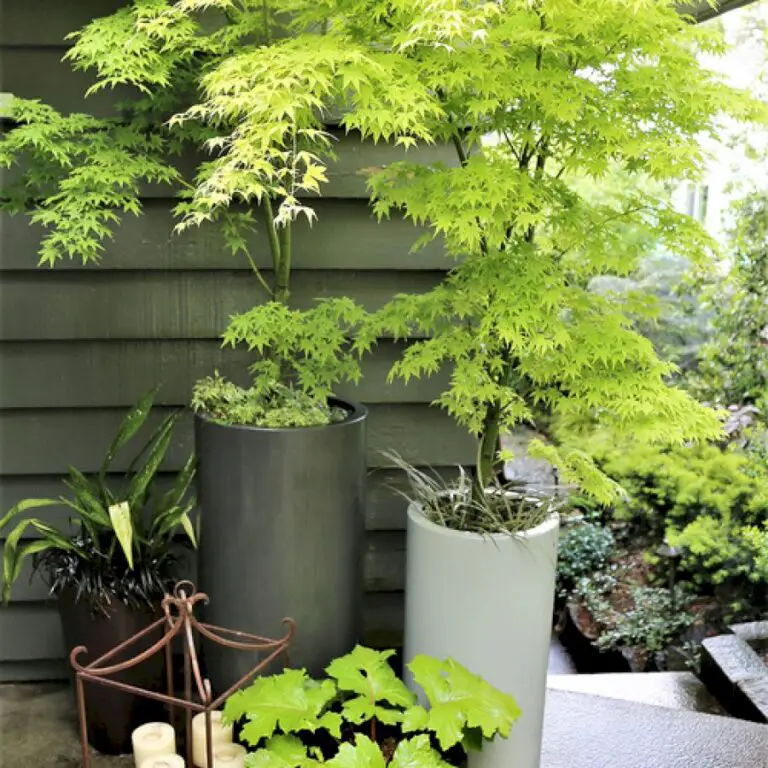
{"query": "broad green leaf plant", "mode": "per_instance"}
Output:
(524, 95)
(367, 716)
(120, 544)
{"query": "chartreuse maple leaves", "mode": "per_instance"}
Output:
(526, 96)
(362, 689)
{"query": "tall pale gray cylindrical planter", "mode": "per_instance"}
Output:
(486, 601)
(282, 535)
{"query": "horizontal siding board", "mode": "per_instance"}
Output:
(74, 374)
(385, 506)
(32, 631)
(40, 73)
(161, 305)
(46, 442)
(384, 619)
(384, 569)
(345, 235)
(348, 171)
(41, 670)
(41, 23)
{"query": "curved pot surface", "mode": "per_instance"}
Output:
(486, 601)
(282, 533)
(112, 715)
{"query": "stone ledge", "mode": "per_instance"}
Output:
(583, 731)
(736, 675)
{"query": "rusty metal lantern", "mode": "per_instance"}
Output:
(178, 620)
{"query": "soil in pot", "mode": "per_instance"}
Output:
(112, 715)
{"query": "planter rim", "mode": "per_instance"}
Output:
(356, 413)
(416, 516)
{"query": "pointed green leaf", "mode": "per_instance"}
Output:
(129, 426)
(120, 515)
(189, 529)
(88, 493)
(141, 480)
(175, 496)
(25, 505)
(13, 555)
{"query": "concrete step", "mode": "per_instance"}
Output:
(581, 731)
(587, 731)
(673, 690)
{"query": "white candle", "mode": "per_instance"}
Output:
(164, 761)
(229, 756)
(221, 735)
(153, 739)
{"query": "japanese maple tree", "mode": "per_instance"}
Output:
(524, 94)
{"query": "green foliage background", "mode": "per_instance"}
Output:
(564, 88)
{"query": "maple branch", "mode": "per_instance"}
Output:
(601, 226)
(460, 151)
(274, 242)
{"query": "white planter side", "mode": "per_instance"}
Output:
(487, 603)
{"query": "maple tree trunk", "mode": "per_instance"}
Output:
(487, 451)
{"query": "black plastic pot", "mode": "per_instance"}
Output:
(112, 715)
(282, 535)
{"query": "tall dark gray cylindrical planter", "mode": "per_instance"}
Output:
(282, 535)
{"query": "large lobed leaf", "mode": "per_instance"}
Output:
(283, 751)
(291, 701)
(460, 700)
(367, 673)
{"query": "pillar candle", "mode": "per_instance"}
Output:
(164, 761)
(220, 735)
(153, 739)
(229, 756)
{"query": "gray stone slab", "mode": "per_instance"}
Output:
(751, 631)
(583, 731)
(734, 656)
(674, 690)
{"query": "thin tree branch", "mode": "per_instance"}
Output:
(274, 242)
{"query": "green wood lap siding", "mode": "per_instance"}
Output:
(78, 344)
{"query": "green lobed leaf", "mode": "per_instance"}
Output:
(283, 751)
(459, 700)
(290, 701)
(368, 674)
(417, 752)
(364, 753)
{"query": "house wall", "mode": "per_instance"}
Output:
(78, 345)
